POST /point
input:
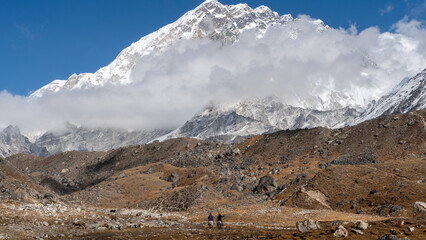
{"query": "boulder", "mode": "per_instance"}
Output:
(340, 232)
(236, 187)
(266, 184)
(361, 225)
(357, 231)
(114, 226)
(236, 151)
(391, 237)
(419, 209)
(307, 225)
(173, 178)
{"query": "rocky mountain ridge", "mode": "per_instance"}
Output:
(258, 116)
(409, 95)
(73, 138)
(13, 142)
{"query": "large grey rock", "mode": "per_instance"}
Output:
(419, 209)
(173, 178)
(236, 187)
(341, 232)
(361, 225)
(307, 225)
(391, 237)
(266, 184)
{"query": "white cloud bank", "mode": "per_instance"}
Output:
(168, 89)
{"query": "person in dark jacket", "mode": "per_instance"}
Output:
(219, 220)
(210, 222)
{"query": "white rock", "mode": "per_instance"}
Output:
(341, 232)
(307, 225)
(361, 225)
(357, 231)
(419, 209)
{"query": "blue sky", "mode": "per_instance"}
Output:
(44, 40)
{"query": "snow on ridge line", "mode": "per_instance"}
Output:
(118, 71)
(409, 95)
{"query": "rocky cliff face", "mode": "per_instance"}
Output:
(72, 138)
(75, 138)
(258, 116)
(13, 142)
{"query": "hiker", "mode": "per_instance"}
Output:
(210, 222)
(219, 220)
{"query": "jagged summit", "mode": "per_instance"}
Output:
(13, 142)
(210, 20)
(209, 3)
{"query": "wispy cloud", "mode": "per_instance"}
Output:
(24, 31)
(416, 9)
(30, 32)
(387, 9)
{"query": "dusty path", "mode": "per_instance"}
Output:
(33, 221)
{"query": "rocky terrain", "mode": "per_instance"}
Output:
(266, 186)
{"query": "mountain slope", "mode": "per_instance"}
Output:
(209, 20)
(407, 96)
(13, 142)
(75, 138)
(258, 116)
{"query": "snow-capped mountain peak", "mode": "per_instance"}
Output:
(211, 20)
(409, 95)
